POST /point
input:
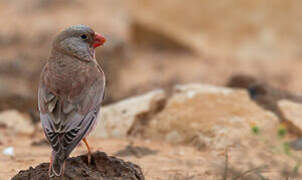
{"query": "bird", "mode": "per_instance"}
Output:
(70, 93)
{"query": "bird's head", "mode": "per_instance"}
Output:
(78, 41)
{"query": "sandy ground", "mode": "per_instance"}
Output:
(171, 162)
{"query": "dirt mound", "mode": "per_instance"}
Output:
(102, 167)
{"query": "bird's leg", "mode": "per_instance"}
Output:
(50, 164)
(88, 149)
(63, 168)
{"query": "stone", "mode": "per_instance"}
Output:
(206, 116)
(263, 93)
(296, 144)
(9, 151)
(116, 120)
(292, 113)
(18, 122)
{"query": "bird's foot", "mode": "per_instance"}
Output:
(50, 174)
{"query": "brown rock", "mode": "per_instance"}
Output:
(209, 116)
(292, 114)
(262, 93)
(116, 120)
(102, 167)
(16, 121)
(23, 104)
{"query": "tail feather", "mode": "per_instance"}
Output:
(57, 166)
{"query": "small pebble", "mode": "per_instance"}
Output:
(8, 151)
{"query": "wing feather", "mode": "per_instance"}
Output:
(66, 121)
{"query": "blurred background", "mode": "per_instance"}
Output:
(154, 43)
(158, 44)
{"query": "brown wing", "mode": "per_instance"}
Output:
(66, 120)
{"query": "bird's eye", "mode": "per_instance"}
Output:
(84, 36)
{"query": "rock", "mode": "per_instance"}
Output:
(209, 117)
(16, 121)
(102, 167)
(292, 113)
(9, 151)
(263, 93)
(22, 104)
(193, 89)
(296, 144)
(116, 120)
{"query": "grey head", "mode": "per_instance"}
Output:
(78, 41)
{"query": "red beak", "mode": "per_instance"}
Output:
(98, 40)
